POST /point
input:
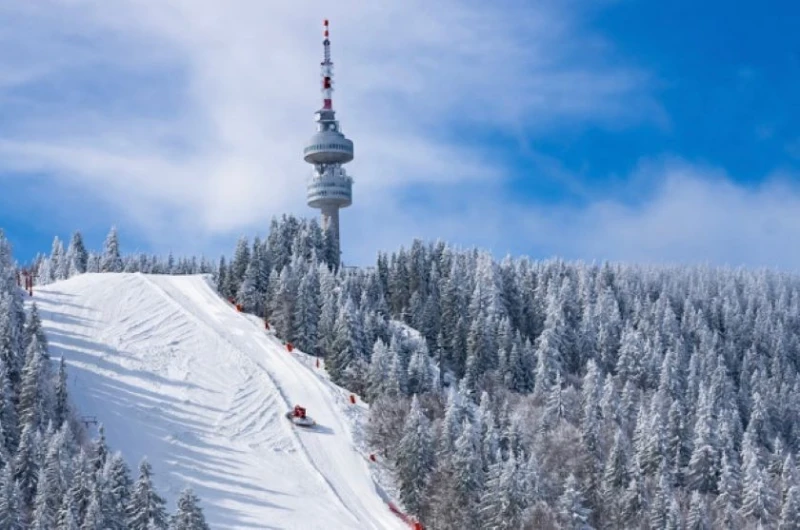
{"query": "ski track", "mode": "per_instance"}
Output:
(174, 373)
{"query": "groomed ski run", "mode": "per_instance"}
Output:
(174, 373)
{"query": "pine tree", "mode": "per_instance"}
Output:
(61, 404)
(571, 509)
(111, 260)
(81, 483)
(33, 327)
(659, 507)
(494, 495)
(414, 457)
(146, 506)
(95, 518)
(729, 487)
(34, 399)
(396, 380)
(699, 518)
(77, 256)
(44, 273)
(11, 339)
(238, 267)
(189, 515)
(674, 516)
(468, 473)
(380, 361)
(420, 373)
(344, 347)
(629, 363)
(68, 514)
(759, 502)
(248, 294)
(307, 311)
(555, 407)
(503, 500)
(283, 303)
(703, 466)
(549, 353)
(45, 509)
(788, 475)
(99, 454)
(616, 475)
(26, 464)
(327, 318)
(609, 327)
(222, 278)
(11, 511)
(790, 513)
(590, 425)
(8, 413)
(117, 492)
(58, 260)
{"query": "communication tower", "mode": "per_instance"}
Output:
(330, 188)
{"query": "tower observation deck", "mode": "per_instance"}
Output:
(330, 188)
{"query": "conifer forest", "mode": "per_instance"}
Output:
(504, 394)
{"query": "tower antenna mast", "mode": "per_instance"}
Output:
(327, 70)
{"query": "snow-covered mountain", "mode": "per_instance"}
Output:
(173, 372)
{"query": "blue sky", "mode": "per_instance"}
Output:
(637, 131)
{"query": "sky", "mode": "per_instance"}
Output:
(643, 132)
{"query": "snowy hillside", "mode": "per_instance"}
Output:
(174, 373)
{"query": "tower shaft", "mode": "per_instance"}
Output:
(330, 224)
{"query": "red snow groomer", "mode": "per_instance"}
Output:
(298, 417)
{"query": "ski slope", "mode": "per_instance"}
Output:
(176, 374)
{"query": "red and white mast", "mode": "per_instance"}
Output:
(327, 71)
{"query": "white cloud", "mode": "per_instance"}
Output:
(192, 114)
(693, 214)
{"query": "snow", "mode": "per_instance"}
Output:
(174, 373)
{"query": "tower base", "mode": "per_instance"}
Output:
(330, 224)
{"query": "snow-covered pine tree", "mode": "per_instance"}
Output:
(222, 278)
(420, 372)
(344, 348)
(68, 515)
(699, 518)
(45, 504)
(95, 518)
(790, 512)
(117, 491)
(550, 346)
(77, 256)
(248, 295)
(504, 497)
(759, 500)
(10, 501)
(26, 464)
(147, 507)
(282, 308)
(571, 508)
(35, 400)
(307, 310)
(189, 515)
(111, 260)
(61, 408)
(414, 461)
(468, 471)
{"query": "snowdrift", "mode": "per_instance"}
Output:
(174, 373)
